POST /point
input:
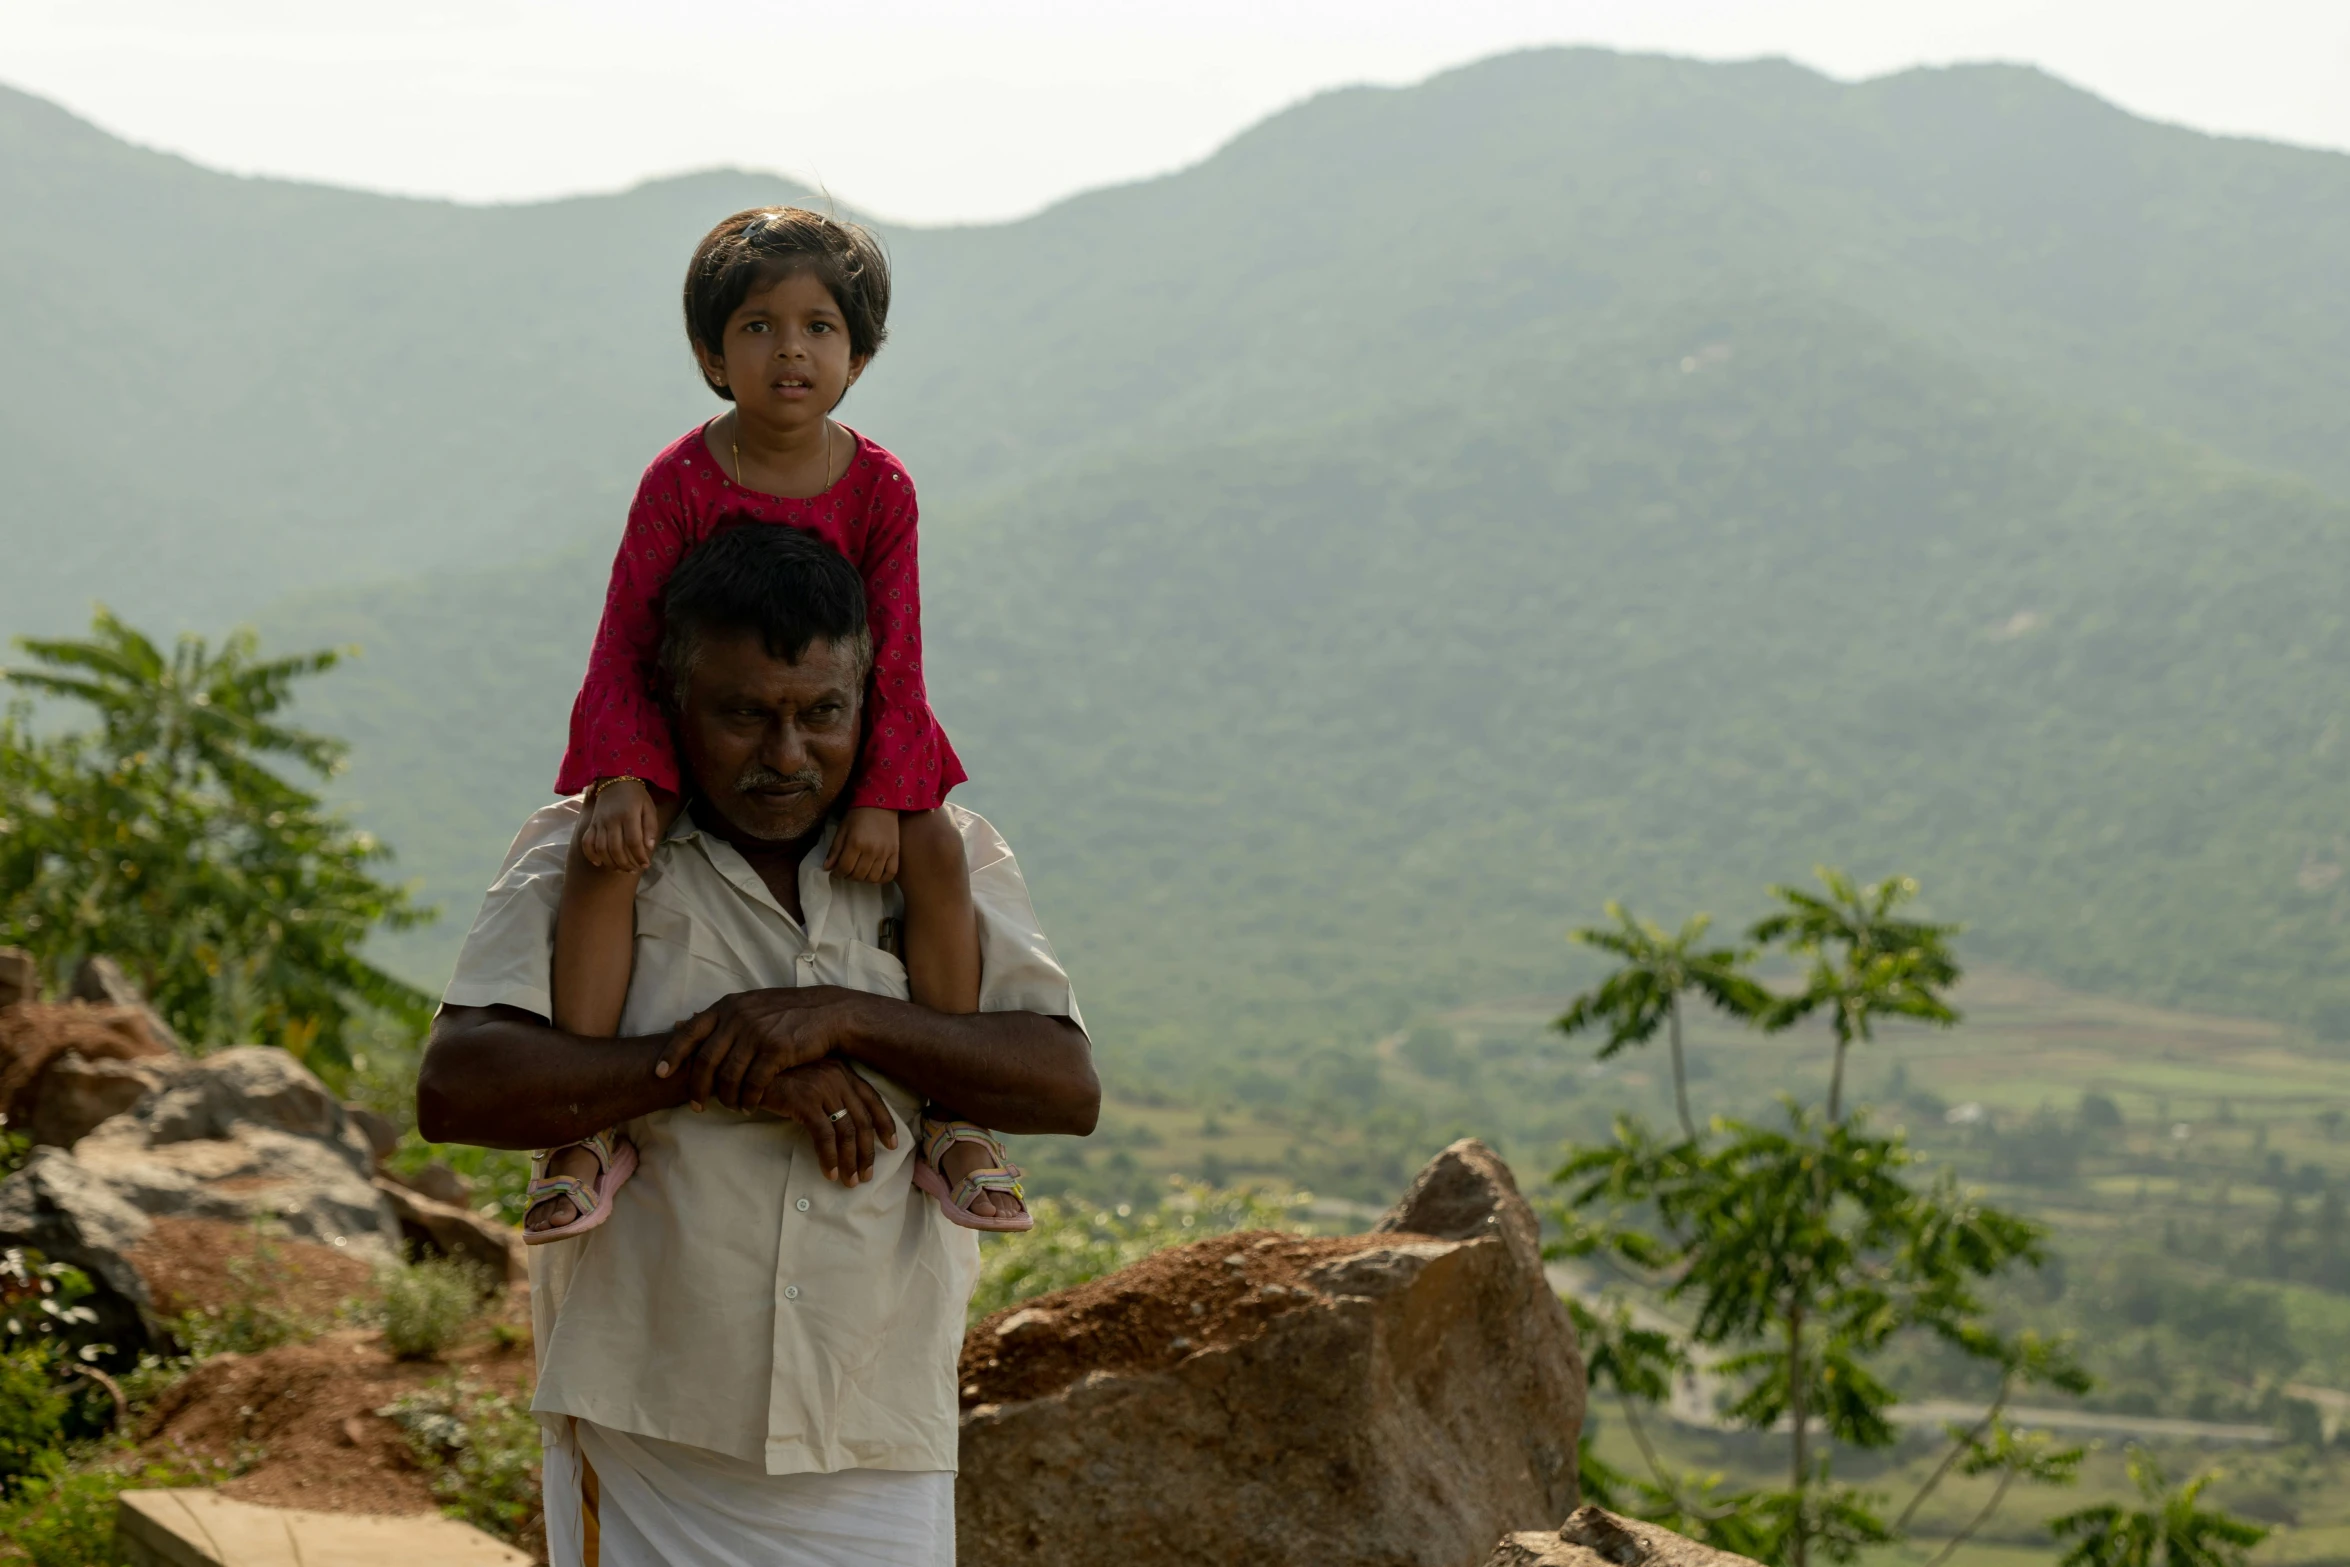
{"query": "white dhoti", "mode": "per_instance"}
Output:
(617, 1500)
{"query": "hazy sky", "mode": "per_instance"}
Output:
(939, 110)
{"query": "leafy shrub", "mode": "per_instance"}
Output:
(1074, 1241)
(481, 1451)
(64, 1517)
(32, 1412)
(427, 1304)
(152, 1377)
(41, 1302)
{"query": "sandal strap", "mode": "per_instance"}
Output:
(604, 1145)
(1004, 1179)
(940, 1136)
(583, 1195)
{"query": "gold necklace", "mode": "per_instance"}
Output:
(735, 442)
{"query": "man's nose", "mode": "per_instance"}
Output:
(786, 748)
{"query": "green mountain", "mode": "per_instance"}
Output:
(1352, 559)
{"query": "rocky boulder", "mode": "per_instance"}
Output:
(1401, 1397)
(1593, 1537)
(36, 1036)
(100, 980)
(20, 977)
(241, 1136)
(76, 1095)
(448, 1229)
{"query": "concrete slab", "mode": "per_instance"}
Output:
(198, 1528)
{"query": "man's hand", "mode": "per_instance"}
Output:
(841, 1111)
(734, 1050)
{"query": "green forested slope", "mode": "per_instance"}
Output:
(221, 389)
(1352, 559)
(1306, 735)
(1372, 238)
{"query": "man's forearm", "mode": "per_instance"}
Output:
(1012, 1071)
(500, 1078)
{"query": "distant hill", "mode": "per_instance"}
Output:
(1353, 558)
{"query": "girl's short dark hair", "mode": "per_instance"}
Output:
(758, 245)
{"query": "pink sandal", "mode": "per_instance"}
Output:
(615, 1163)
(1003, 1176)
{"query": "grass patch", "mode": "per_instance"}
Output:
(64, 1515)
(427, 1304)
(1075, 1240)
(482, 1452)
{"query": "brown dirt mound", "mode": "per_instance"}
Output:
(35, 1033)
(300, 1421)
(186, 1263)
(1211, 1293)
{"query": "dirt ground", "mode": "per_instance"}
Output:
(1219, 1291)
(296, 1426)
(192, 1264)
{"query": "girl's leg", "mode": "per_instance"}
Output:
(595, 941)
(942, 960)
(942, 926)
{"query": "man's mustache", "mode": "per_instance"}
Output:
(760, 776)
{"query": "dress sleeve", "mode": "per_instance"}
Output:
(617, 726)
(907, 764)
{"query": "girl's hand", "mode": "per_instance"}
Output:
(866, 847)
(621, 827)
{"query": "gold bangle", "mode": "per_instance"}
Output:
(601, 784)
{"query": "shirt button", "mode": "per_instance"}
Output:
(807, 957)
(791, 1292)
(803, 1205)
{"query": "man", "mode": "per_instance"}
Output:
(753, 1360)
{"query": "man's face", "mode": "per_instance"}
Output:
(771, 744)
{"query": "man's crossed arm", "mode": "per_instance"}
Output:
(501, 1077)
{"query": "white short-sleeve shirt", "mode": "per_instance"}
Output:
(737, 1300)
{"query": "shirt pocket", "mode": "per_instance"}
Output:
(874, 971)
(674, 971)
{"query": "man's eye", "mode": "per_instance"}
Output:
(754, 326)
(819, 326)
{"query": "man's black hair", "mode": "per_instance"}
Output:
(791, 588)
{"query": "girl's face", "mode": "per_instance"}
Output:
(786, 353)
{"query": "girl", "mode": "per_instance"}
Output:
(784, 308)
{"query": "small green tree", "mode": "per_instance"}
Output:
(167, 840)
(1863, 964)
(1645, 993)
(1801, 1251)
(2173, 1529)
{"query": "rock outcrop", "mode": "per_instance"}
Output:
(239, 1136)
(20, 977)
(1593, 1537)
(1400, 1397)
(36, 1036)
(100, 979)
(430, 1226)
